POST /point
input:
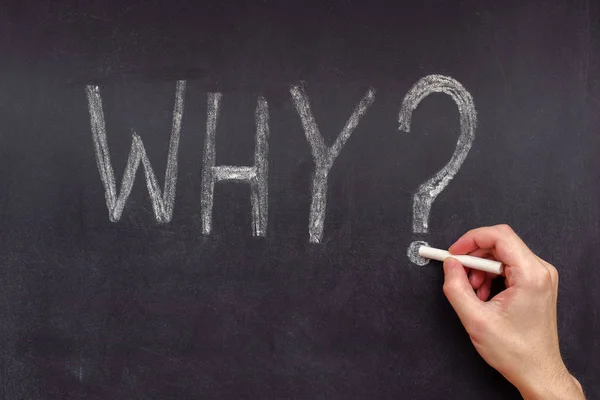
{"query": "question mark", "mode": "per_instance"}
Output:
(424, 197)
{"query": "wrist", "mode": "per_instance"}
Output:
(556, 385)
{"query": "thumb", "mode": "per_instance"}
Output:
(459, 292)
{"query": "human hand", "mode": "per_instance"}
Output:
(516, 331)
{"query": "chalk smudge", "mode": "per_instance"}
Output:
(413, 253)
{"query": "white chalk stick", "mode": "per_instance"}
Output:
(481, 264)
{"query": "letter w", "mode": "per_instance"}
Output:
(162, 204)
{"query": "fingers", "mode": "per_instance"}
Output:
(481, 282)
(553, 271)
(483, 292)
(502, 242)
(489, 254)
(476, 278)
(481, 253)
(485, 237)
(459, 292)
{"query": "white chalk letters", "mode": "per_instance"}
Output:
(162, 204)
(429, 190)
(324, 156)
(257, 174)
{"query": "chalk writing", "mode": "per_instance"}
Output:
(256, 175)
(428, 191)
(324, 156)
(162, 204)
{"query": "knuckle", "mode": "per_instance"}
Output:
(451, 287)
(553, 272)
(543, 279)
(505, 229)
(476, 325)
(476, 231)
(472, 232)
(447, 289)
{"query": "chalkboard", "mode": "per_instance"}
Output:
(217, 200)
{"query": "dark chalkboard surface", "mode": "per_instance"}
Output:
(273, 263)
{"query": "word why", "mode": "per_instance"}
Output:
(256, 175)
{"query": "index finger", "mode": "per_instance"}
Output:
(507, 245)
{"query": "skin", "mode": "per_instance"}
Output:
(516, 331)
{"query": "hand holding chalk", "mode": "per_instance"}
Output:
(481, 264)
(516, 331)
